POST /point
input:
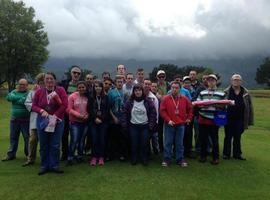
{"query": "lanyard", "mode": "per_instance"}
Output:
(98, 102)
(48, 97)
(176, 105)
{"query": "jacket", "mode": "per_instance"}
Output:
(151, 114)
(248, 111)
(167, 110)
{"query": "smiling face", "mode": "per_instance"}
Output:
(138, 92)
(81, 88)
(22, 85)
(98, 88)
(75, 74)
(49, 81)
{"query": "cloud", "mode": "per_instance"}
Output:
(155, 29)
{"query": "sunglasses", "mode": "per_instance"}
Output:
(76, 73)
(161, 77)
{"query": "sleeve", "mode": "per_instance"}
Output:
(163, 110)
(36, 100)
(11, 97)
(63, 96)
(125, 113)
(153, 117)
(251, 112)
(29, 101)
(70, 109)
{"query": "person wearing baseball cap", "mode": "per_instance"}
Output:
(240, 116)
(207, 125)
(163, 87)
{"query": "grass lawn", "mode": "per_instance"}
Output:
(230, 180)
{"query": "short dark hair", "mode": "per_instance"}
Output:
(103, 73)
(175, 82)
(137, 87)
(140, 70)
(81, 82)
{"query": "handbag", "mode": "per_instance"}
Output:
(220, 118)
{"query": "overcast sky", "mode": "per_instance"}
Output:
(155, 29)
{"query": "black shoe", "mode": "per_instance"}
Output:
(239, 158)
(28, 163)
(8, 158)
(202, 160)
(42, 172)
(145, 163)
(122, 158)
(69, 163)
(63, 158)
(57, 171)
(133, 162)
(215, 162)
(226, 157)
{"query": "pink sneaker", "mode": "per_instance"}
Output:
(101, 161)
(93, 161)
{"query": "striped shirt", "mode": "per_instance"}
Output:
(205, 95)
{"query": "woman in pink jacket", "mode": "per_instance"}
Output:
(78, 116)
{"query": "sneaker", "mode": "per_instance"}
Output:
(122, 158)
(93, 161)
(8, 158)
(27, 163)
(101, 161)
(183, 163)
(165, 163)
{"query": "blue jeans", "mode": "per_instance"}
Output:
(77, 135)
(139, 135)
(171, 133)
(50, 146)
(17, 126)
(99, 132)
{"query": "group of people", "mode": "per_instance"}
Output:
(125, 118)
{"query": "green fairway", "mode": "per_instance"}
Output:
(232, 179)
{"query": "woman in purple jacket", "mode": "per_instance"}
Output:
(50, 103)
(139, 117)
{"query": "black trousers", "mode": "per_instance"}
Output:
(188, 138)
(212, 132)
(65, 138)
(118, 142)
(233, 131)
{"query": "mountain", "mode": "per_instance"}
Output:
(225, 67)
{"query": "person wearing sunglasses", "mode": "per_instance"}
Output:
(163, 86)
(70, 86)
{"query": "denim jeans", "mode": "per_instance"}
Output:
(174, 133)
(50, 146)
(139, 136)
(17, 126)
(77, 135)
(155, 142)
(99, 132)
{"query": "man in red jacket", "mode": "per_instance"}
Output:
(176, 110)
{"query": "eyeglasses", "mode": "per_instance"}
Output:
(76, 73)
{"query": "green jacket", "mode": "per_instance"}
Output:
(18, 109)
(248, 111)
